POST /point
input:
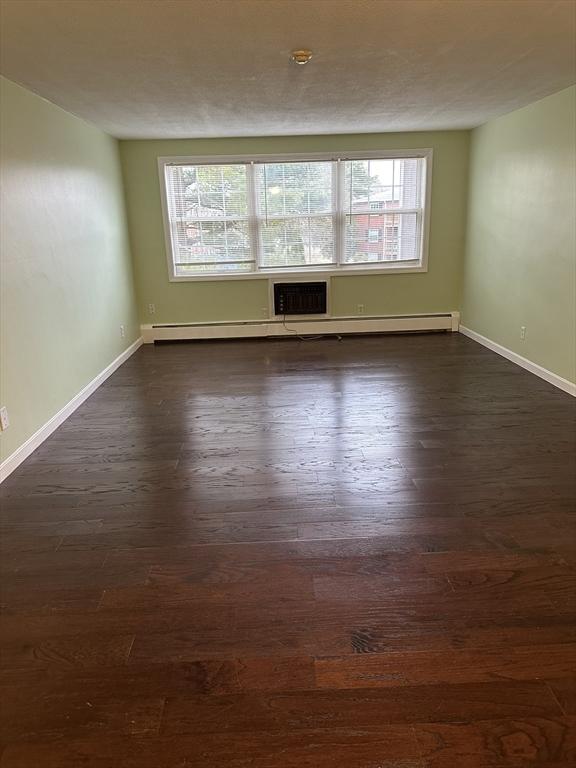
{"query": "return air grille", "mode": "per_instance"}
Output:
(300, 298)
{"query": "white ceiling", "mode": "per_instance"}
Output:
(191, 68)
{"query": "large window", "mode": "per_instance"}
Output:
(261, 216)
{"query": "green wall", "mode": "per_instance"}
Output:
(437, 290)
(67, 282)
(520, 267)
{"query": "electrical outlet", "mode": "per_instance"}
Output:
(122, 331)
(4, 420)
(360, 309)
(151, 309)
(522, 332)
(264, 312)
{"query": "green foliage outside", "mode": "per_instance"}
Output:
(294, 204)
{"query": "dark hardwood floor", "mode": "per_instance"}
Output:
(324, 554)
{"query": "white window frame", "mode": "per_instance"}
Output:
(314, 272)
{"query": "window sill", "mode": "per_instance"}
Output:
(299, 274)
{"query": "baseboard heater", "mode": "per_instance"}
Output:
(448, 321)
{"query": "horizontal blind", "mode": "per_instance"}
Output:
(250, 217)
(208, 212)
(383, 206)
(295, 209)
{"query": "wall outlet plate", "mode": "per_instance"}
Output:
(151, 309)
(122, 331)
(4, 420)
(522, 332)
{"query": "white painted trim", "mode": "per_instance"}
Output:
(310, 273)
(279, 157)
(20, 454)
(267, 329)
(552, 378)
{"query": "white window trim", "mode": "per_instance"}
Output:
(314, 272)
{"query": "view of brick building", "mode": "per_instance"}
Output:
(375, 234)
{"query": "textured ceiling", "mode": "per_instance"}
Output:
(189, 68)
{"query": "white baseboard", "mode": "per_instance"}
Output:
(20, 454)
(447, 321)
(523, 362)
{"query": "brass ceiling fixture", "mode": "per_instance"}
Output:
(301, 56)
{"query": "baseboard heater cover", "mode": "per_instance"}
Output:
(448, 321)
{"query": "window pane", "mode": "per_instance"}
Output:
(195, 270)
(382, 237)
(294, 188)
(297, 242)
(207, 191)
(205, 244)
(382, 184)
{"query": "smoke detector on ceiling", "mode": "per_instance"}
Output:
(302, 56)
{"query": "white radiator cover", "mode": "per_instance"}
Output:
(441, 321)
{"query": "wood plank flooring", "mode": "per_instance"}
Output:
(287, 554)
